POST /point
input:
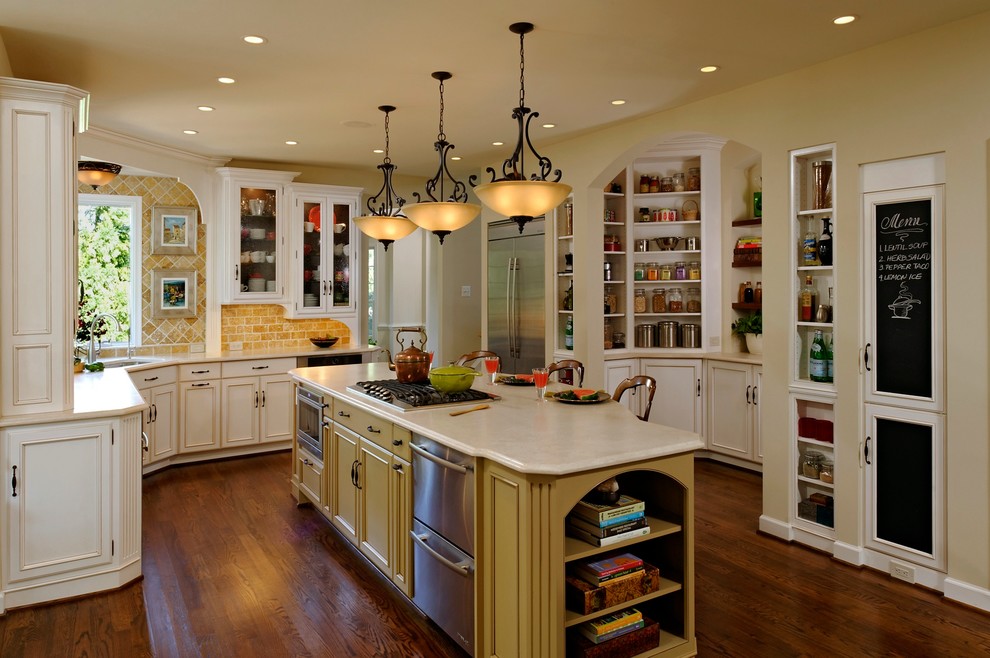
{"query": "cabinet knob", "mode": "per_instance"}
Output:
(396, 467)
(397, 442)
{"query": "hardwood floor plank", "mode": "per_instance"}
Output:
(233, 568)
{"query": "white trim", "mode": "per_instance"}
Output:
(849, 553)
(971, 595)
(134, 204)
(775, 528)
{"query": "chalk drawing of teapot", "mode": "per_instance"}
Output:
(902, 305)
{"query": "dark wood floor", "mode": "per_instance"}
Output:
(233, 568)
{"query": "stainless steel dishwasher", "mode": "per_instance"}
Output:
(443, 537)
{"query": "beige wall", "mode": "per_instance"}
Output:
(922, 94)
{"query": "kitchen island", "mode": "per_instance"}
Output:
(535, 460)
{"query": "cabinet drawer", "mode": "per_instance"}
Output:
(257, 367)
(401, 438)
(154, 376)
(310, 476)
(368, 425)
(199, 371)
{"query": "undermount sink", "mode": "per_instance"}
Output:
(131, 361)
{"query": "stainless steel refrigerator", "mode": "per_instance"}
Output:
(516, 294)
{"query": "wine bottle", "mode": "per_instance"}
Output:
(828, 360)
(825, 243)
(806, 301)
(816, 363)
(569, 333)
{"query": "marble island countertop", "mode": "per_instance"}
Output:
(518, 430)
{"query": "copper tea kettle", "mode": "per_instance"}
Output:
(412, 364)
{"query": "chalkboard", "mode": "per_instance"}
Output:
(903, 297)
(904, 510)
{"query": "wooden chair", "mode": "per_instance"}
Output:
(634, 383)
(573, 365)
(470, 357)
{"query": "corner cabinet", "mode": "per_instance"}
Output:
(252, 231)
(563, 278)
(323, 250)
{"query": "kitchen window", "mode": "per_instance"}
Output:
(109, 266)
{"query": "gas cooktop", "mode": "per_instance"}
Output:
(406, 397)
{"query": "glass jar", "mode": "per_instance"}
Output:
(655, 184)
(666, 272)
(644, 213)
(652, 271)
(694, 270)
(639, 301)
(825, 472)
(667, 184)
(679, 182)
(811, 465)
(675, 300)
(692, 300)
(639, 271)
(659, 300)
(694, 179)
(644, 184)
(680, 271)
(618, 340)
(611, 300)
(608, 334)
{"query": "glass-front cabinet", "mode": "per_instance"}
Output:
(323, 273)
(253, 231)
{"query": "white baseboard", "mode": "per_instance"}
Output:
(970, 595)
(849, 553)
(775, 528)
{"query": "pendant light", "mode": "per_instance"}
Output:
(514, 195)
(386, 223)
(96, 173)
(446, 214)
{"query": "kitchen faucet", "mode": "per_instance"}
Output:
(93, 349)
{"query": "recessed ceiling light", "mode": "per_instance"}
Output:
(618, 101)
(378, 151)
(844, 20)
(498, 143)
(549, 125)
(225, 80)
(291, 142)
(455, 157)
(205, 108)
(255, 40)
(191, 132)
(708, 69)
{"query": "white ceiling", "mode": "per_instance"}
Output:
(329, 64)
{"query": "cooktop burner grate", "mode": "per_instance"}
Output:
(415, 395)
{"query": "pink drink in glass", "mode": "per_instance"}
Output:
(540, 378)
(491, 365)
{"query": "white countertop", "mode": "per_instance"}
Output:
(96, 395)
(519, 431)
(244, 355)
(681, 353)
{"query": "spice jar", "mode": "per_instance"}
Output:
(675, 300)
(639, 271)
(659, 300)
(644, 213)
(618, 340)
(667, 184)
(679, 182)
(608, 335)
(666, 272)
(694, 179)
(644, 184)
(811, 465)
(655, 184)
(825, 472)
(680, 271)
(652, 271)
(639, 301)
(611, 300)
(692, 302)
(694, 270)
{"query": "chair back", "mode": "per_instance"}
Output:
(573, 365)
(471, 357)
(634, 383)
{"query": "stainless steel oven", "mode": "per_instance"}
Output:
(309, 420)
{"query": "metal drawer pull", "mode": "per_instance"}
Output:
(13, 482)
(154, 412)
(755, 389)
(461, 569)
(200, 372)
(144, 441)
(307, 462)
(438, 460)
(343, 415)
(203, 384)
(259, 367)
(150, 379)
(373, 430)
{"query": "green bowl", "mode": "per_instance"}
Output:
(452, 379)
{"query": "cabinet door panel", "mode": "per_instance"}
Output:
(344, 451)
(401, 551)
(374, 525)
(677, 402)
(615, 372)
(165, 415)
(729, 395)
(241, 401)
(277, 399)
(200, 416)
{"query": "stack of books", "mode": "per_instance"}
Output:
(609, 569)
(612, 626)
(606, 524)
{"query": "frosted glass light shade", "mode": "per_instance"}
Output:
(442, 215)
(522, 198)
(385, 228)
(91, 172)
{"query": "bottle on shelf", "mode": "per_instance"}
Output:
(608, 334)
(758, 293)
(825, 243)
(569, 333)
(748, 294)
(828, 360)
(809, 250)
(817, 366)
(569, 298)
(806, 301)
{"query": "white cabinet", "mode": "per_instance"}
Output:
(733, 423)
(324, 272)
(257, 398)
(615, 371)
(813, 466)
(38, 125)
(199, 411)
(161, 419)
(252, 269)
(563, 263)
(678, 399)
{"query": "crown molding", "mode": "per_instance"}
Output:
(120, 139)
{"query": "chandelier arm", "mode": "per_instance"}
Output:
(543, 162)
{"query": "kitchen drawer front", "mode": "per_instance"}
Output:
(257, 367)
(154, 376)
(199, 372)
(368, 425)
(401, 437)
(311, 477)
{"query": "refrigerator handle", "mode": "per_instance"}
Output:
(508, 301)
(516, 348)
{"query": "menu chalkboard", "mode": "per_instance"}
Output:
(903, 297)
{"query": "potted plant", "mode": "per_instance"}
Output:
(750, 327)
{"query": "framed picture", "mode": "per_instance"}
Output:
(173, 293)
(173, 230)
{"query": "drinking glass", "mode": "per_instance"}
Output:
(491, 365)
(540, 377)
